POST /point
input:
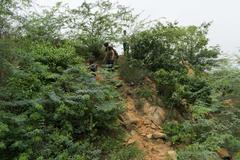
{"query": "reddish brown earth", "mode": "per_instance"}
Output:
(145, 130)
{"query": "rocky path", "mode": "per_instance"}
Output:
(145, 130)
(144, 126)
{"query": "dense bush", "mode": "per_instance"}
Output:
(51, 103)
(179, 58)
(132, 70)
(210, 125)
(51, 107)
(172, 47)
(180, 89)
(94, 23)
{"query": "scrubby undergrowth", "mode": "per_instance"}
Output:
(52, 107)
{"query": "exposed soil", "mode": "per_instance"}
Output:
(143, 131)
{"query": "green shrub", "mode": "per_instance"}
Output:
(52, 108)
(144, 92)
(132, 71)
(128, 153)
(171, 47)
(92, 49)
(197, 152)
(180, 89)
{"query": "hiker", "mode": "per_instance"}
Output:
(111, 55)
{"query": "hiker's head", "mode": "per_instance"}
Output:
(106, 44)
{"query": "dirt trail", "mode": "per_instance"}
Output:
(144, 126)
(145, 131)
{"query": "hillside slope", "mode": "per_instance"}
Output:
(143, 125)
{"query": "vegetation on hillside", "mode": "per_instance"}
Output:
(52, 107)
(194, 84)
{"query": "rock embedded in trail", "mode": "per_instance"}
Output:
(149, 136)
(156, 114)
(159, 135)
(147, 122)
(131, 141)
(172, 155)
(133, 132)
(153, 126)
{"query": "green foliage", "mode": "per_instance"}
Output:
(180, 89)
(144, 92)
(10, 15)
(46, 26)
(94, 23)
(50, 103)
(128, 153)
(226, 81)
(197, 152)
(212, 125)
(100, 20)
(6, 56)
(91, 49)
(51, 107)
(132, 71)
(171, 47)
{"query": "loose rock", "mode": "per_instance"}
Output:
(158, 135)
(133, 132)
(172, 155)
(149, 136)
(154, 113)
(153, 126)
(131, 141)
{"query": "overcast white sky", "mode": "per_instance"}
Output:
(225, 14)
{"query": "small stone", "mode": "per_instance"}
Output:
(128, 136)
(133, 132)
(172, 155)
(153, 126)
(158, 135)
(146, 122)
(131, 118)
(131, 141)
(143, 134)
(149, 136)
(119, 85)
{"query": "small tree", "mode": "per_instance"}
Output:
(48, 25)
(10, 15)
(97, 22)
(173, 47)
